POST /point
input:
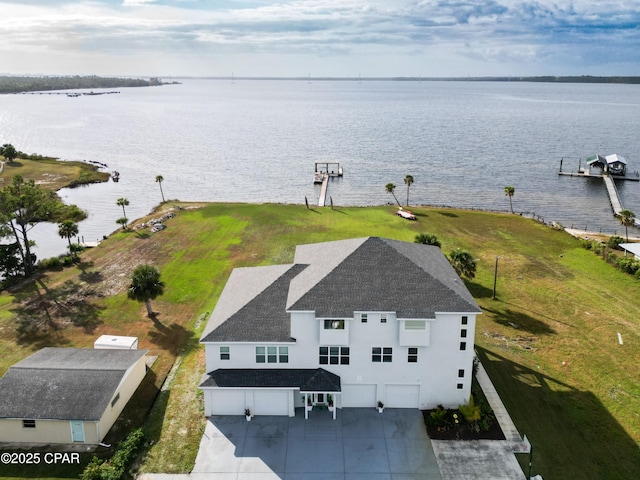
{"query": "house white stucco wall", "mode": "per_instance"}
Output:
(433, 380)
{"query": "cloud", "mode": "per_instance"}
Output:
(509, 33)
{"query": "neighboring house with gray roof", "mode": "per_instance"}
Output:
(67, 395)
(356, 321)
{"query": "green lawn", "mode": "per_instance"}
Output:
(556, 303)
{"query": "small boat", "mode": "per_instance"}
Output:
(318, 177)
(406, 214)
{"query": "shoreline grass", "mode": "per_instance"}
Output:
(556, 302)
(52, 173)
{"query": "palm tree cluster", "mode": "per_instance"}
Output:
(390, 188)
(123, 202)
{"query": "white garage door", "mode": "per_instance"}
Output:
(402, 396)
(224, 402)
(359, 396)
(271, 402)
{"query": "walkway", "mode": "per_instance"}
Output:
(483, 459)
(616, 205)
(323, 190)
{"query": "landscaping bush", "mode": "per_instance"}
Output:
(53, 263)
(439, 418)
(614, 241)
(115, 468)
(470, 411)
(628, 265)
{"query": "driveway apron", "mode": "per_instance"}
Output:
(360, 444)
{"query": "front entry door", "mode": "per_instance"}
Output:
(77, 431)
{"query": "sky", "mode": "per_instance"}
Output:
(320, 38)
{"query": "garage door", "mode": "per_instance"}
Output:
(224, 402)
(359, 396)
(271, 402)
(402, 396)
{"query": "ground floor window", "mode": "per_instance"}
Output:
(28, 424)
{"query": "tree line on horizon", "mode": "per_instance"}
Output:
(20, 84)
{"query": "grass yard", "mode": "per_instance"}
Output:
(549, 341)
(51, 173)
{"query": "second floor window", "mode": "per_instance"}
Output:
(381, 354)
(334, 324)
(272, 354)
(334, 355)
(412, 355)
(224, 353)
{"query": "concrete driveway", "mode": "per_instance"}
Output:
(360, 444)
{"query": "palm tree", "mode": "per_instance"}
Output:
(627, 218)
(427, 239)
(145, 285)
(122, 221)
(389, 188)
(408, 181)
(68, 229)
(159, 179)
(509, 191)
(122, 202)
(9, 152)
(463, 263)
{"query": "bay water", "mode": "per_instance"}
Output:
(257, 141)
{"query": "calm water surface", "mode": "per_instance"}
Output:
(257, 141)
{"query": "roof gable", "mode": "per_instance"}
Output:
(414, 280)
(262, 317)
(64, 383)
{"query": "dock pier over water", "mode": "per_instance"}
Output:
(608, 177)
(322, 174)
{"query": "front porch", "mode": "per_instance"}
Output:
(320, 401)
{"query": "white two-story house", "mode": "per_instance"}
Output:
(354, 322)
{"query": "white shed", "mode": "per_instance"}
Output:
(116, 342)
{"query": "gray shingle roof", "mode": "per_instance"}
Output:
(308, 380)
(336, 279)
(64, 383)
(414, 280)
(262, 318)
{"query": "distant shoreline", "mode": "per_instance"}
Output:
(44, 83)
(629, 80)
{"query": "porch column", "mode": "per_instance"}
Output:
(306, 402)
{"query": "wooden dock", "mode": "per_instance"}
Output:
(614, 198)
(322, 172)
(323, 190)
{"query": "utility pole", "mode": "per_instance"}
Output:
(495, 279)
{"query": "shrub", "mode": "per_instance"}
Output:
(628, 265)
(114, 468)
(614, 241)
(470, 411)
(439, 418)
(53, 263)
